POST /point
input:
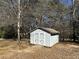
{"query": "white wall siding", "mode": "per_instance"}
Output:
(54, 39)
(47, 40)
(40, 37)
(32, 38)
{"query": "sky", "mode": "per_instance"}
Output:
(67, 2)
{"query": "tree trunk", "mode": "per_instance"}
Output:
(19, 13)
(74, 10)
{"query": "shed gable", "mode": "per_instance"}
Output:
(40, 31)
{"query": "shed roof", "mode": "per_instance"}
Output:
(49, 30)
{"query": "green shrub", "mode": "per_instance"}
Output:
(1, 32)
(10, 32)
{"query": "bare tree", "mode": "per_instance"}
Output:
(19, 17)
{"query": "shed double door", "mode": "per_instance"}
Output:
(39, 38)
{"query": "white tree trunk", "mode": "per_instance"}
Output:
(18, 24)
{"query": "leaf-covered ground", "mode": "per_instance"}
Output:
(62, 50)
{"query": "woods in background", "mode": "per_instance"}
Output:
(38, 13)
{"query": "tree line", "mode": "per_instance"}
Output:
(38, 13)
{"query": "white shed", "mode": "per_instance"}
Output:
(44, 36)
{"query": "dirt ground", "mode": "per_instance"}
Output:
(62, 50)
